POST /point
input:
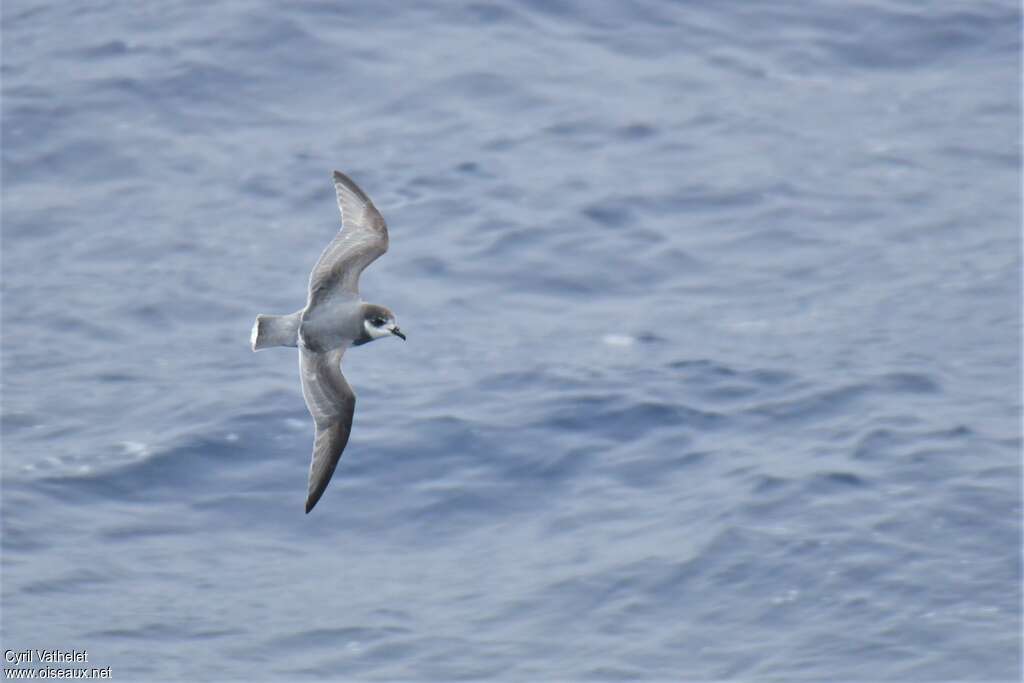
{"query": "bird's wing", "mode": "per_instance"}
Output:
(332, 403)
(362, 239)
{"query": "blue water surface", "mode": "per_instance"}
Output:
(714, 316)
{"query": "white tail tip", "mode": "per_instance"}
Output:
(255, 334)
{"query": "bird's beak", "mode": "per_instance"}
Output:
(398, 333)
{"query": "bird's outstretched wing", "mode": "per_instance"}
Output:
(332, 403)
(362, 239)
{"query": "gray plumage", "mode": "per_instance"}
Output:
(335, 317)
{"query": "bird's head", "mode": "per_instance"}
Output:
(379, 321)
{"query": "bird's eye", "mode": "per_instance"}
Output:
(378, 322)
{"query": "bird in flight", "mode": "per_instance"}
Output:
(335, 317)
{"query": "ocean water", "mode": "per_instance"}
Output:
(714, 357)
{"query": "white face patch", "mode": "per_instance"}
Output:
(378, 332)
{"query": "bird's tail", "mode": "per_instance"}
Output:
(275, 330)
